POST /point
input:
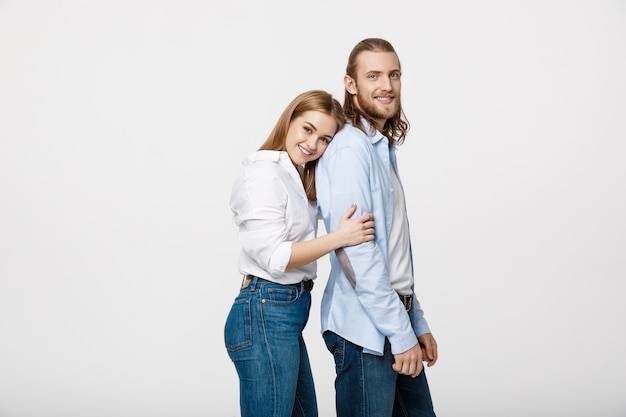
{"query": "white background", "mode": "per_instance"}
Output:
(122, 127)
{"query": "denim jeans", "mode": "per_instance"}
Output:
(367, 386)
(263, 337)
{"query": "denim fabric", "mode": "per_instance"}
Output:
(263, 337)
(367, 386)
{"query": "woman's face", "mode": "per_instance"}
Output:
(308, 136)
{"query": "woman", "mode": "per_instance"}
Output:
(273, 202)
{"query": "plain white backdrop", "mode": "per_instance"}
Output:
(122, 127)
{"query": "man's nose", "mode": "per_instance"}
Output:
(385, 83)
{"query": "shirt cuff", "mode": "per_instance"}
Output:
(280, 258)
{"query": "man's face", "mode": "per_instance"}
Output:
(377, 85)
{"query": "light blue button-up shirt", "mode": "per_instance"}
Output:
(356, 169)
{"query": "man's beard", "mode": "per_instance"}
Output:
(370, 109)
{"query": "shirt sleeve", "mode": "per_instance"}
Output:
(420, 325)
(258, 202)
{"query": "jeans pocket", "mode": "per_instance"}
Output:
(238, 327)
(280, 294)
(335, 345)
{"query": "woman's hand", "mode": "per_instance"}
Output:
(349, 232)
(355, 231)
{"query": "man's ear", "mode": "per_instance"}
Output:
(350, 84)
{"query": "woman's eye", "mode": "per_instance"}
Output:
(325, 140)
(307, 129)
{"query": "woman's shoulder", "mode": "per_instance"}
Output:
(262, 160)
(263, 165)
(261, 157)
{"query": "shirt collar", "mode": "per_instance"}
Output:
(279, 157)
(376, 136)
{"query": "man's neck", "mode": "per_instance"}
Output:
(380, 124)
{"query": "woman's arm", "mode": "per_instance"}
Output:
(349, 232)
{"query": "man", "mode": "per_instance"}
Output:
(372, 322)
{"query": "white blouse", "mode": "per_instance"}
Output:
(272, 211)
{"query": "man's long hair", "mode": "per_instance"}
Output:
(395, 128)
(313, 100)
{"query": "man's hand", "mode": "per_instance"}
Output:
(409, 362)
(429, 348)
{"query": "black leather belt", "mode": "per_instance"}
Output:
(407, 301)
(306, 284)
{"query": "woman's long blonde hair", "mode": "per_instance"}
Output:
(313, 100)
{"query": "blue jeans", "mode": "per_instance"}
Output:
(367, 386)
(263, 337)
